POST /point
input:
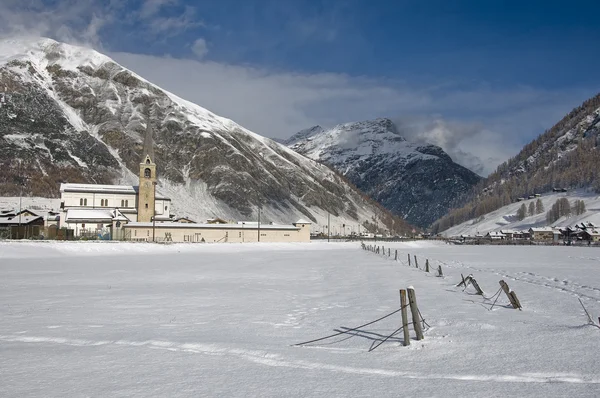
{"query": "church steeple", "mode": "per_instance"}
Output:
(148, 150)
(147, 185)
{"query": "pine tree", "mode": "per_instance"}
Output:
(531, 209)
(522, 212)
(539, 206)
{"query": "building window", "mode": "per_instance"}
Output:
(101, 202)
(240, 234)
(81, 202)
(85, 202)
(82, 225)
(147, 172)
(135, 232)
(147, 160)
(146, 205)
(122, 203)
(166, 208)
(126, 203)
(148, 233)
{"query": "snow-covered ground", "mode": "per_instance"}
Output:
(506, 217)
(133, 319)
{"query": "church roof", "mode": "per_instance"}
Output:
(96, 215)
(98, 188)
(302, 221)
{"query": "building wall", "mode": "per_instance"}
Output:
(210, 235)
(94, 200)
(543, 235)
(78, 228)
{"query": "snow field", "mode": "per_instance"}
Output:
(124, 319)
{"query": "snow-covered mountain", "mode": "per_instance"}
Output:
(71, 114)
(416, 182)
(565, 156)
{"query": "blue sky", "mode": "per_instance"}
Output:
(479, 78)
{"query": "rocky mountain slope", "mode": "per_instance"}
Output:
(416, 182)
(70, 114)
(565, 156)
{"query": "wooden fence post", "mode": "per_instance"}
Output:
(396, 258)
(414, 310)
(408, 259)
(404, 311)
(427, 265)
(512, 296)
(416, 262)
(440, 273)
(476, 286)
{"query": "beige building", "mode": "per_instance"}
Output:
(232, 233)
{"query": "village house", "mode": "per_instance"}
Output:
(21, 224)
(495, 235)
(591, 235)
(542, 233)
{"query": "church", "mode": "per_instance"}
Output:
(92, 209)
(139, 213)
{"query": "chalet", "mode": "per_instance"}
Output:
(542, 233)
(496, 235)
(591, 235)
(511, 234)
(20, 224)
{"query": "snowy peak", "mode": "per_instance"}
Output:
(356, 141)
(416, 182)
(45, 52)
(302, 135)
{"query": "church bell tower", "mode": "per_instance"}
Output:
(147, 185)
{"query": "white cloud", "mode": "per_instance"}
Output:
(479, 127)
(200, 48)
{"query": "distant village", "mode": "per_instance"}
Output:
(586, 233)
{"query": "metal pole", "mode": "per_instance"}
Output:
(259, 224)
(154, 212)
(328, 227)
(20, 197)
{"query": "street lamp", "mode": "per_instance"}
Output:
(259, 224)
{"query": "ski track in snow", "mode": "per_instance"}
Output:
(275, 360)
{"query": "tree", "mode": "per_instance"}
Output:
(522, 212)
(578, 207)
(539, 206)
(531, 209)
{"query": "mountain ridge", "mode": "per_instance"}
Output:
(417, 182)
